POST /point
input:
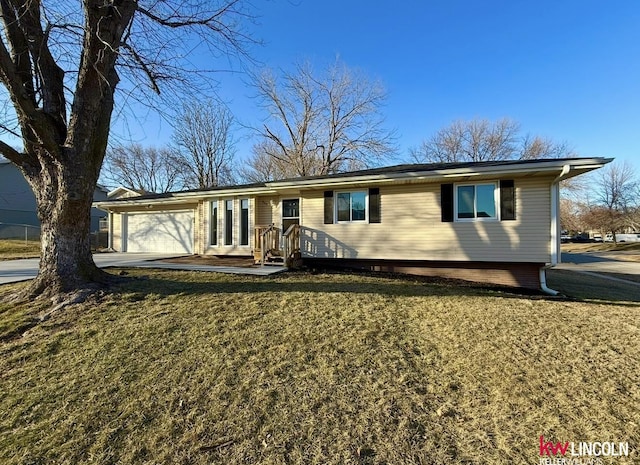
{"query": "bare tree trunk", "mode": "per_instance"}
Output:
(64, 141)
(63, 196)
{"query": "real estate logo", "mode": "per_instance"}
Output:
(580, 453)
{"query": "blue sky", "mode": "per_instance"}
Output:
(568, 70)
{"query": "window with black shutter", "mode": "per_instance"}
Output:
(328, 207)
(446, 199)
(374, 205)
(507, 200)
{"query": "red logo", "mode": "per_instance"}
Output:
(549, 448)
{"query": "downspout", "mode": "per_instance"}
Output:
(555, 230)
(543, 282)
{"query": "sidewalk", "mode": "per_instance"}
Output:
(602, 264)
(13, 271)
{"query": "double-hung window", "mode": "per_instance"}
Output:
(213, 223)
(351, 206)
(476, 201)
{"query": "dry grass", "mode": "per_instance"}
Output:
(601, 247)
(15, 249)
(588, 286)
(197, 368)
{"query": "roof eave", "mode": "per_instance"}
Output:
(563, 168)
(578, 166)
(179, 198)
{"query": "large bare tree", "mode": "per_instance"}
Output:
(617, 195)
(571, 215)
(61, 63)
(484, 140)
(320, 124)
(141, 168)
(204, 138)
(262, 167)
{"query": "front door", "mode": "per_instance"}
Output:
(290, 213)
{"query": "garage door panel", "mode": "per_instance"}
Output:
(167, 232)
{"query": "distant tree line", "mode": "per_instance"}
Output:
(315, 124)
(328, 122)
(608, 202)
(482, 140)
(201, 154)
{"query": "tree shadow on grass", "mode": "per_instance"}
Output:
(389, 284)
(591, 287)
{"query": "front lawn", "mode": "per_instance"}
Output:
(632, 247)
(11, 249)
(201, 368)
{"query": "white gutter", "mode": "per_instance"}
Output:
(555, 215)
(180, 198)
(554, 240)
(543, 283)
(275, 187)
(428, 174)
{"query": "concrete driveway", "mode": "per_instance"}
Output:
(601, 262)
(12, 271)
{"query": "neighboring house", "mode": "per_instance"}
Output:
(124, 192)
(493, 222)
(18, 204)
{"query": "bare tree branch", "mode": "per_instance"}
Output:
(616, 205)
(153, 77)
(483, 140)
(10, 153)
(143, 168)
(205, 144)
(321, 124)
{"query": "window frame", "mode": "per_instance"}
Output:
(228, 222)
(244, 235)
(289, 219)
(351, 220)
(213, 224)
(496, 201)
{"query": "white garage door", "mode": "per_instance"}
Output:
(165, 232)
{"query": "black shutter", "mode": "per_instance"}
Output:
(507, 200)
(328, 207)
(374, 205)
(446, 198)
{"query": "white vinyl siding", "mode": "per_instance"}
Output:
(267, 210)
(116, 231)
(412, 228)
